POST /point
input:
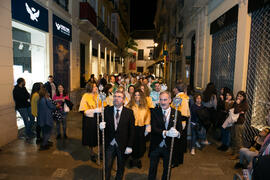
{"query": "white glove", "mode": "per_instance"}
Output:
(102, 125)
(172, 133)
(128, 150)
(147, 130)
(97, 110)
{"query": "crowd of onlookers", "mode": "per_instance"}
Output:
(204, 114)
(47, 103)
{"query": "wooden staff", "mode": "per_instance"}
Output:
(176, 102)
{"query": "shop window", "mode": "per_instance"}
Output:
(62, 3)
(29, 54)
(140, 69)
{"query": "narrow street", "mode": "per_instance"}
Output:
(68, 159)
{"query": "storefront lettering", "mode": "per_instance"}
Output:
(62, 28)
(34, 14)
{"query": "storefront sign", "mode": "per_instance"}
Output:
(31, 13)
(61, 28)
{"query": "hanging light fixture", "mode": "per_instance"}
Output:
(30, 47)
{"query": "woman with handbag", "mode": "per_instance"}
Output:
(60, 97)
(45, 117)
(226, 132)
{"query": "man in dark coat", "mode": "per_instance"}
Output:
(162, 131)
(119, 128)
(51, 86)
(23, 106)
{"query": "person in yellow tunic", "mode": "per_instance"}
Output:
(34, 102)
(90, 106)
(146, 92)
(142, 115)
(180, 91)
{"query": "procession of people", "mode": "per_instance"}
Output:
(129, 116)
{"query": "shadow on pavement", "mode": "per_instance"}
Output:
(74, 147)
(85, 172)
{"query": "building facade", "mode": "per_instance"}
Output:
(220, 41)
(70, 39)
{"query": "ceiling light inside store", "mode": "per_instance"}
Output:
(20, 46)
(30, 48)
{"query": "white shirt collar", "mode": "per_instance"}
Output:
(120, 109)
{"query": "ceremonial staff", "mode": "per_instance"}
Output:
(98, 136)
(103, 98)
(176, 102)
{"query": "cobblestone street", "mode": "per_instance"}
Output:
(68, 159)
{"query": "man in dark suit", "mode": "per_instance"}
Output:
(119, 134)
(162, 131)
(51, 86)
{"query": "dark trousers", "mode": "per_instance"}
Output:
(226, 136)
(155, 155)
(110, 154)
(46, 132)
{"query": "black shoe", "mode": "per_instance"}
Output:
(131, 164)
(93, 158)
(139, 164)
(238, 166)
(58, 136)
(43, 148)
(65, 136)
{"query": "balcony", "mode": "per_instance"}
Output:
(87, 12)
(106, 31)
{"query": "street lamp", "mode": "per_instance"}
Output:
(156, 44)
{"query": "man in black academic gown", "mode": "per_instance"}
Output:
(119, 128)
(162, 131)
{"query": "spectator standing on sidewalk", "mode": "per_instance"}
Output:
(23, 106)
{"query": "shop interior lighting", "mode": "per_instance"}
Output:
(30, 48)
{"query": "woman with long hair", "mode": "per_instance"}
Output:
(90, 106)
(226, 133)
(45, 117)
(237, 130)
(130, 91)
(108, 89)
(146, 92)
(142, 116)
(34, 107)
(60, 97)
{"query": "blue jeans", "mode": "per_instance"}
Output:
(226, 136)
(28, 120)
(63, 122)
(197, 134)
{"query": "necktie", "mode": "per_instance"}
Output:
(165, 119)
(117, 118)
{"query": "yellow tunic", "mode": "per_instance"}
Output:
(150, 103)
(184, 107)
(142, 115)
(89, 101)
(34, 101)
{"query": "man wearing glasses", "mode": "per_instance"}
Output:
(119, 134)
